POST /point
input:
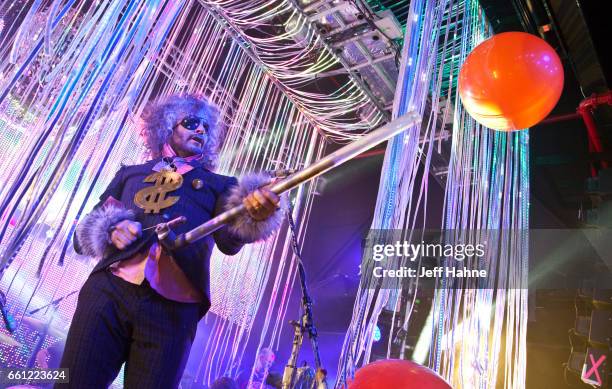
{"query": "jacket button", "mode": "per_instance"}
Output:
(197, 184)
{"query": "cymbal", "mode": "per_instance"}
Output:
(8, 340)
(40, 324)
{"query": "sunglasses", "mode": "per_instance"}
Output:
(193, 122)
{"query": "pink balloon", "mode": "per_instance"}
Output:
(397, 374)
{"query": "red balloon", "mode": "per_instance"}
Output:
(397, 374)
(511, 81)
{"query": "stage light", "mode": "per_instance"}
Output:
(377, 333)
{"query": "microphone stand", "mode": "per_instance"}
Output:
(306, 323)
(54, 302)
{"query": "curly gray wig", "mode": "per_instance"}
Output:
(160, 116)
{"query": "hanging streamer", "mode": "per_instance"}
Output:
(69, 102)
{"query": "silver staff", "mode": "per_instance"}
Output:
(323, 165)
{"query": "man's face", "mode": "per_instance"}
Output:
(189, 136)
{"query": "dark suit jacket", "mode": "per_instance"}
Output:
(197, 205)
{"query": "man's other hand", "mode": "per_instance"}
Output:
(261, 203)
(125, 233)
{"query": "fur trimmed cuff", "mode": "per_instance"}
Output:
(245, 227)
(93, 232)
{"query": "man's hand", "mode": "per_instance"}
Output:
(261, 204)
(125, 233)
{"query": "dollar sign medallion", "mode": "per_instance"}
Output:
(153, 198)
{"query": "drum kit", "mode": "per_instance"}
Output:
(35, 324)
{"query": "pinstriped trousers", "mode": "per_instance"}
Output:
(115, 322)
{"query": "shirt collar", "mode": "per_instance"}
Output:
(182, 164)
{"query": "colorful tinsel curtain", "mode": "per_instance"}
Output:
(74, 77)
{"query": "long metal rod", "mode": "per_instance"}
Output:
(323, 165)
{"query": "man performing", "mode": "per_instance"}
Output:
(263, 378)
(142, 302)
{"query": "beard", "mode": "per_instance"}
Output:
(194, 149)
(188, 147)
